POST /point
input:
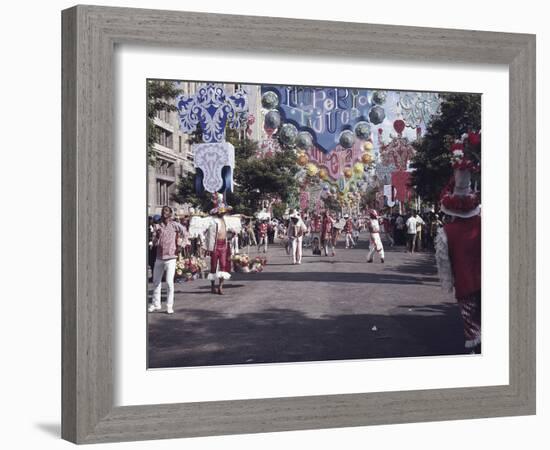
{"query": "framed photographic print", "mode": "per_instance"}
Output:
(261, 216)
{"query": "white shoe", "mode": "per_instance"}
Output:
(169, 310)
(154, 308)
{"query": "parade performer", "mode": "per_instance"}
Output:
(262, 235)
(250, 233)
(373, 225)
(348, 231)
(296, 231)
(327, 225)
(216, 241)
(165, 238)
(458, 249)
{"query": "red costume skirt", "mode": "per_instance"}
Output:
(222, 256)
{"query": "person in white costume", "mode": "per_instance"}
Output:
(375, 241)
(296, 230)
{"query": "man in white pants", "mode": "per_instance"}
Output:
(375, 241)
(296, 230)
(348, 230)
(165, 236)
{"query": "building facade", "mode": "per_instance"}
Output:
(174, 153)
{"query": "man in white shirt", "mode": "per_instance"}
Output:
(419, 223)
(411, 232)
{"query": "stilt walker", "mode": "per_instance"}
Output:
(458, 248)
(217, 244)
(375, 242)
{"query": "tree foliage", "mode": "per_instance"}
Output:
(460, 113)
(160, 97)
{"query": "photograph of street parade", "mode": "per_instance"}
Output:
(291, 223)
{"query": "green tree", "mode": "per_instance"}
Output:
(160, 97)
(460, 113)
(255, 179)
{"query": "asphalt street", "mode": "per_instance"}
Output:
(327, 308)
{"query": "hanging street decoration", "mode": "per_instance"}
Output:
(399, 150)
(212, 109)
(418, 108)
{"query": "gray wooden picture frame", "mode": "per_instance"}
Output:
(90, 34)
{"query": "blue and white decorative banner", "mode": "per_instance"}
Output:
(212, 108)
(211, 158)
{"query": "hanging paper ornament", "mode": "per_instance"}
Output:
(270, 100)
(358, 168)
(348, 172)
(272, 119)
(311, 169)
(379, 97)
(341, 184)
(323, 174)
(302, 159)
(377, 115)
(399, 125)
(304, 140)
(288, 134)
(362, 130)
(347, 138)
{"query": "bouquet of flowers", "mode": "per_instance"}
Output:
(241, 263)
(188, 269)
(258, 263)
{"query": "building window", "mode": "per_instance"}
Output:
(165, 168)
(163, 115)
(163, 192)
(164, 137)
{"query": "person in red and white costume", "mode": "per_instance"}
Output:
(348, 231)
(373, 225)
(458, 248)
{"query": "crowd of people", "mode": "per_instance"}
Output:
(322, 233)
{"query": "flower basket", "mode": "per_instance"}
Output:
(189, 269)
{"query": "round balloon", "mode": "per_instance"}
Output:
(368, 146)
(304, 140)
(377, 115)
(323, 174)
(272, 119)
(333, 190)
(362, 130)
(379, 97)
(347, 172)
(302, 159)
(358, 168)
(366, 158)
(270, 100)
(288, 134)
(347, 138)
(326, 186)
(312, 169)
(399, 125)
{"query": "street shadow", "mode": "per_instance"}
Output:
(332, 277)
(197, 337)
